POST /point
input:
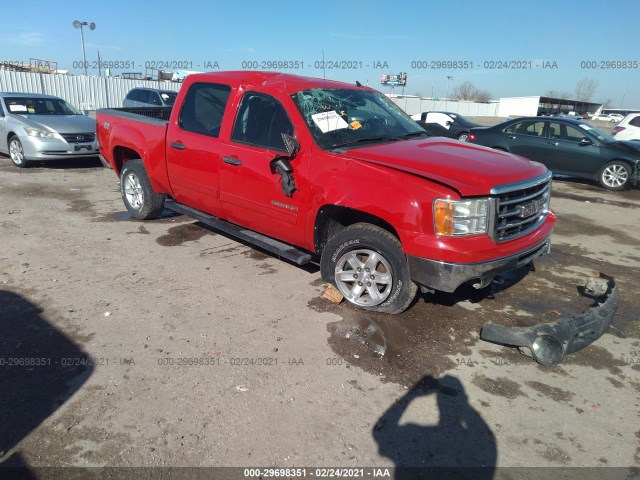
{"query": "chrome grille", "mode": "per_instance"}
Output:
(79, 137)
(520, 208)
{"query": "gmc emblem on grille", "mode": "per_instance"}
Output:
(79, 137)
(530, 209)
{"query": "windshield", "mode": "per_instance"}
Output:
(342, 118)
(39, 106)
(168, 98)
(599, 134)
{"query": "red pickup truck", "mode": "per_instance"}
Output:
(309, 168)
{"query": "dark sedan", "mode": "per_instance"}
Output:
(446, 124)
(567, 147)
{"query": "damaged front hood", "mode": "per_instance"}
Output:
(472, 170)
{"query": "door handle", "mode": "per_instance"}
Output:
(232, 161)
(553, 143)
(178, 145)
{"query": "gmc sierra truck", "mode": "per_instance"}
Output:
(310, 168)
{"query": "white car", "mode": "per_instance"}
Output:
(605, 117)
(628, 128)
(608, 117)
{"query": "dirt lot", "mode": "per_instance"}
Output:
(165, 344)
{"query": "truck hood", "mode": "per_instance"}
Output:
(470, 169)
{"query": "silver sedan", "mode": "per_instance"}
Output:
(37, 127)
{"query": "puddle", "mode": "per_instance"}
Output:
(500, 387)
(182, 233)
(572, 225)
(595, 198)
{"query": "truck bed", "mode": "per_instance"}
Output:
(127, 133)
(134, 113)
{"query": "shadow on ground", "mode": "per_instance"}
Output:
(460, 446)
(40, 368)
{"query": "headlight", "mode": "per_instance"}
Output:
(461, 217)
(38, 132)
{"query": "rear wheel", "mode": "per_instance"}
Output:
(463, 137)
(16, 152)
(367, 265)
(137, 194)
(615, 175)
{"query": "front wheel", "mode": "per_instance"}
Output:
(137, 194)
(367, 265)
(615, 175)
(16, 152)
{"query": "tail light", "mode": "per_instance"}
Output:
(616, 130)
(472, 137)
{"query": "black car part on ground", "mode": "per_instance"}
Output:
(548, 343)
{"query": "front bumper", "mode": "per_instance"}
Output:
(38, 148)
(447, 277)
(548, 343)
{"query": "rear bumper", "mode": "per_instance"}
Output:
(447, 277)
(548, 343)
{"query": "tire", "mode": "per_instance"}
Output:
(371, 249)
(615, 175)
(16, 152)
(463, 137)
(138, 196)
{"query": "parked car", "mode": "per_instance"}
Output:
(446, 124)
(605, 117)
(43, 127)
(564, 146)
(149, 97)
(628, 128)
(616, 117)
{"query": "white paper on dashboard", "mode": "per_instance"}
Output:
(329, 121)
(17, 108)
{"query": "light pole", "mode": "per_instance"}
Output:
(449, 78)
(79, 24)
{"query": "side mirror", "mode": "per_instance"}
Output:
(281, 165)
(449, 123)
(585, 141)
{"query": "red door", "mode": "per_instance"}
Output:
(251, 195)
(193, 147)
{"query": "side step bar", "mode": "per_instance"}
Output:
(269, 244)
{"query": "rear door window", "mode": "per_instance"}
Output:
(528, 127)
(203, 108)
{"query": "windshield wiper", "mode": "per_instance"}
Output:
(365, 140)
(415, 134)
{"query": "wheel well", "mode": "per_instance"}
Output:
(623, 160)
(122, 155)
(9, 135)
(332, 218)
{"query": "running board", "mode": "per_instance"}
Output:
(269, 244)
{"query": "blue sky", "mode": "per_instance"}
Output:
(396, 33)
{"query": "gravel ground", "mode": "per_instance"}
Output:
(162, 343)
